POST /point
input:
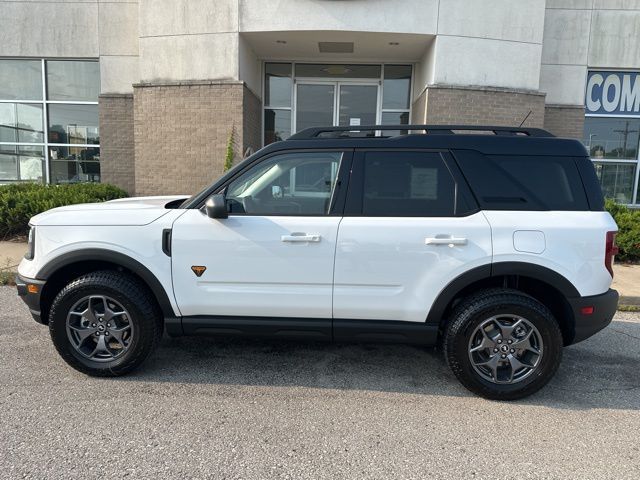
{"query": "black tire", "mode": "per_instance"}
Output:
(129, 293)
(477, 308)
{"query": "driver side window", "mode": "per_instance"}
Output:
(286, 184)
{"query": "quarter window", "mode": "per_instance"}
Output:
(407, 184)
(287, 184)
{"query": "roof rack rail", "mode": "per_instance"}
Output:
(342, 132)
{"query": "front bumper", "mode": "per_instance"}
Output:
(30, 290)
(588, 324)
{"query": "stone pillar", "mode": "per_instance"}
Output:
(457, 105)
(182, 129)
(117, 163)
(565, 120)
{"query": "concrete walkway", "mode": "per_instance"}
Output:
(626, 279)
(11, 253)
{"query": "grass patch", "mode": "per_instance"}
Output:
(7, 276)
(629, 308)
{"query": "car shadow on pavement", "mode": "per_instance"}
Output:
(601, 372)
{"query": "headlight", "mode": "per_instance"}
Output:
(31, 244)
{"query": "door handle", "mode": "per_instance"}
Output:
(442, 240)
(300, 237)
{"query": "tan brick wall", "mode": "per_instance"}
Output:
(181, 133)
(479, 106)
(252, 121)
(116, 141)
(565, 121)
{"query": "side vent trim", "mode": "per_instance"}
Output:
(166, 241)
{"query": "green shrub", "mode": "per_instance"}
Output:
(230, 154)
(20, 202)
(628, 238)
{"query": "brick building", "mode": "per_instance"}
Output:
(145, 94)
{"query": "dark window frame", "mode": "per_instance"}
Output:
(464, 202)
(342, 180)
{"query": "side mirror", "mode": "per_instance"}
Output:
(216, 206)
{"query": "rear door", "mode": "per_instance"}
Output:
(410, 227)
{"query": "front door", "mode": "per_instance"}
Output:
(274, 255)
(345, 103)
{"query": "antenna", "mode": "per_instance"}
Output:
(525, 118)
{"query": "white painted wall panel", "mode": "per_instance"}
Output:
(563, 84)
(189, 57)
(566, 37)
(48, 29)
(118, 30)
(118, 74)
(178, 17)
(570, 4)
(498, 19)
(472, 61)
(407, 16)
(615, 38)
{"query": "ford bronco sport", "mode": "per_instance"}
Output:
(490, 241)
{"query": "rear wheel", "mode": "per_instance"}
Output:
(503, 344)
(104, 323)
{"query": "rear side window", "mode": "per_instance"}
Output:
(410, 184)
(523, 182)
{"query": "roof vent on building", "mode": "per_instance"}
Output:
(335, 47)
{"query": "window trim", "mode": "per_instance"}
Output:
(355, 192)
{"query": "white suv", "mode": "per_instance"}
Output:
(492, 241)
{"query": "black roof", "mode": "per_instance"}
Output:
(490, 140)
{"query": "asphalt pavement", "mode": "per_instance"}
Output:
(236, 409)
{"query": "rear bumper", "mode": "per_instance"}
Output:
(31, 296)
(604, 308)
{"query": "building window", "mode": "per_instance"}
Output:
(49, 121)
(613, 144)
(302, 95)
(612, 132)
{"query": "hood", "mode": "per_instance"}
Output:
(123, 211)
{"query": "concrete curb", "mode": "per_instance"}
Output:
(628, 300)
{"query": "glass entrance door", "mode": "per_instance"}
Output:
(357, 104)
(335, 103)
(315, 105)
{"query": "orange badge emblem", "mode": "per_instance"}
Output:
(198, 270)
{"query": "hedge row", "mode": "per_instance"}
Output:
(628, 238)
(19, 202)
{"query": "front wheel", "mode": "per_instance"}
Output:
(503, 344)
(104, 323)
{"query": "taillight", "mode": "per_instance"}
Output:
(611, 250)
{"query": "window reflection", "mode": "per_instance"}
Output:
(73, 80)
(73, 124)
(616, 180)
(396, 87)
(277, 125)
(615, 138)
(277, 85)
(21, 122)
(20, 80)
(21, 162)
